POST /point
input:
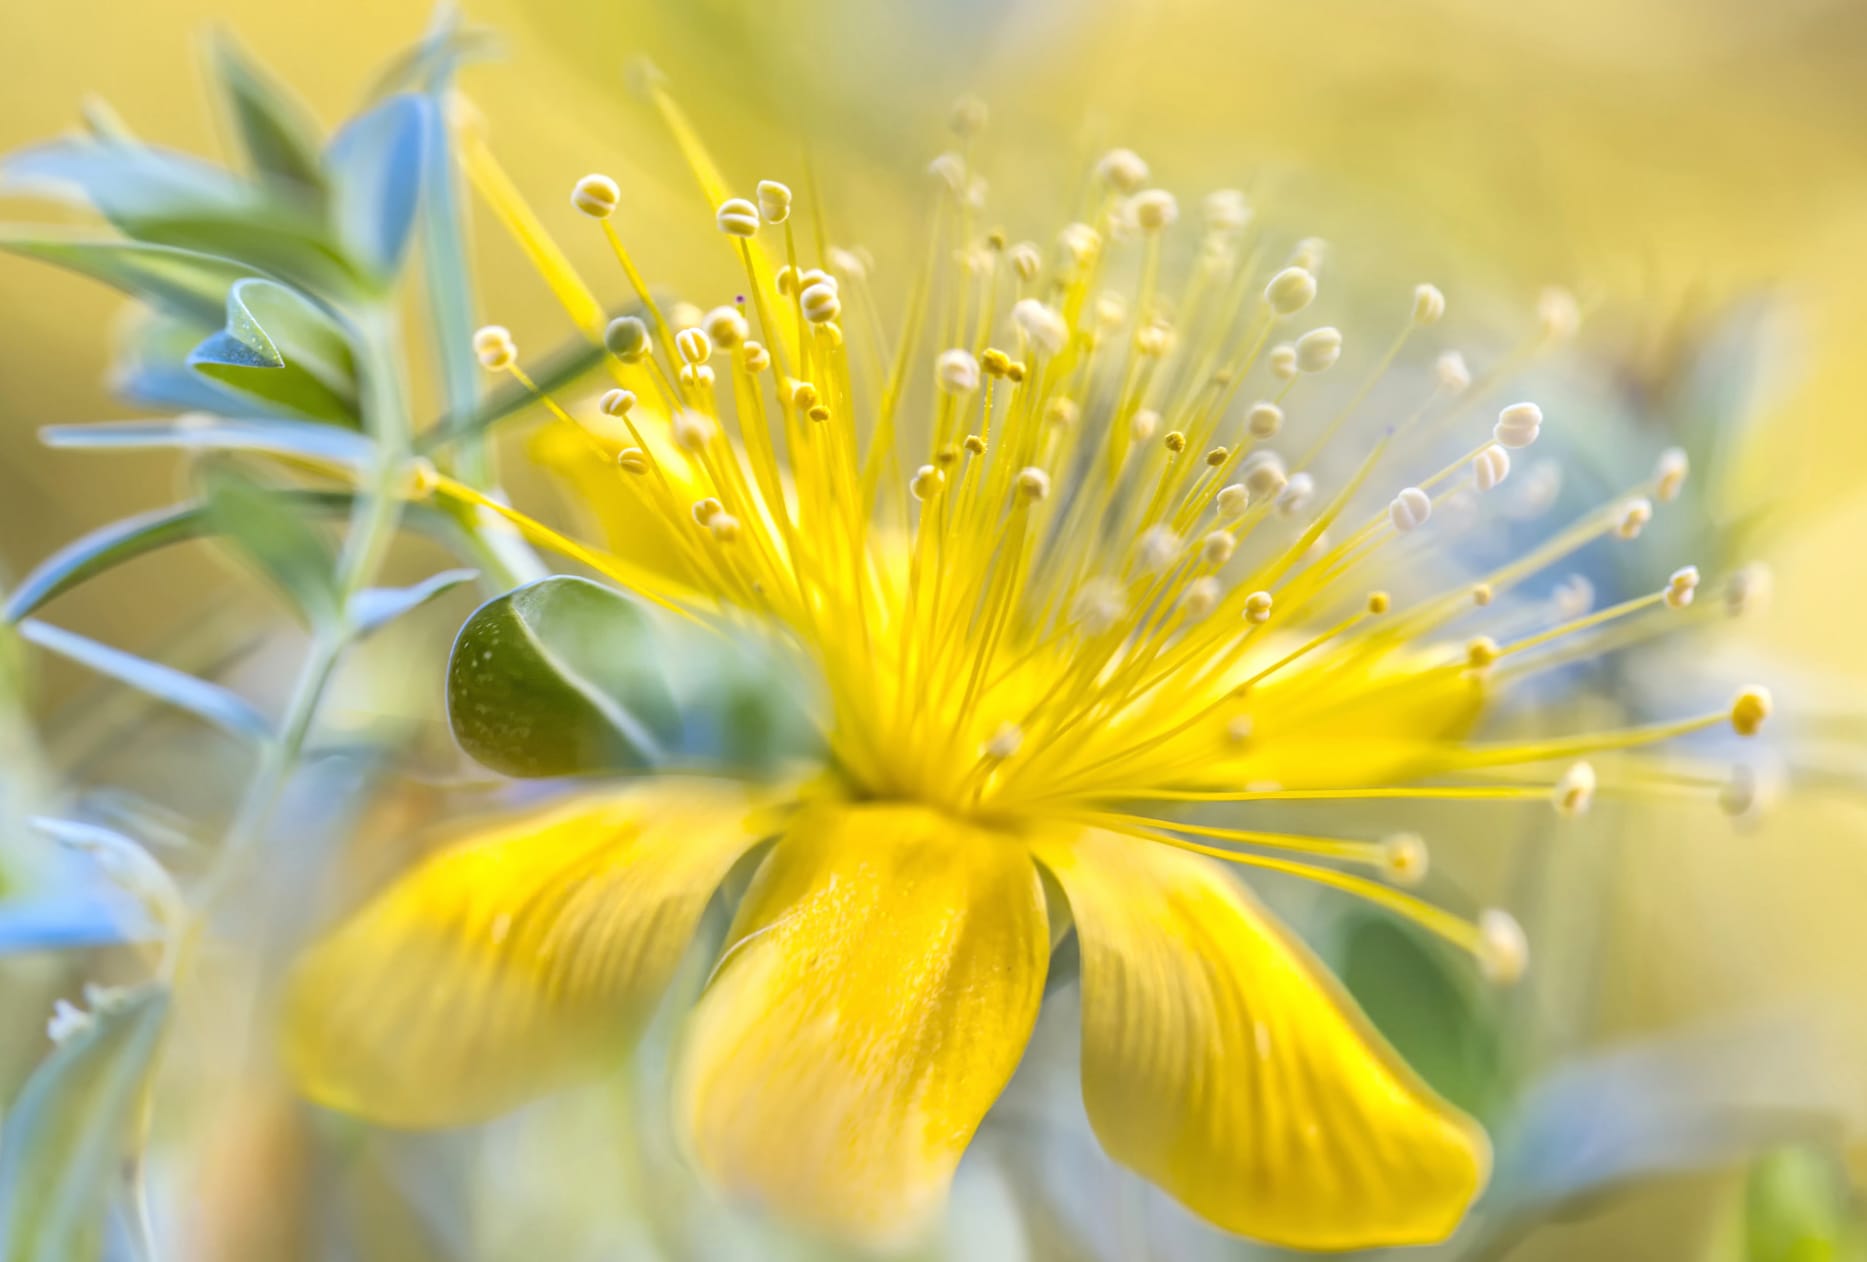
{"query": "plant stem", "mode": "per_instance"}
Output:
(372, 529)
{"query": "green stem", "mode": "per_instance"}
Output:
(372, 530)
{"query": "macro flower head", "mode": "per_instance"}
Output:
(1087, 571)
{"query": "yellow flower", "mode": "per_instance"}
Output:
(1057, 586)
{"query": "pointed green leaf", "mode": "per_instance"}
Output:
(1421, 996)
(280, 347)
(184, 281)
(559, 678)
(276, 540)
(211, 702)
(418, 68)
(275, 129)
(445, 267)
(122, 859)
(100, 550)
(125, 540)
(166, 198)
(64, 1135)
(375, 607)
(307, 440)
(374, 165)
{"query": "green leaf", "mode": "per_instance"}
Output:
(374, 165)
(743, 708)
(1796, 1209)
(1421, 996)
(122, 859)
(558, 678)
(65, 1134)
(307, 440)
(184, 281)
(200, 698)
(99, 551)
(447, 274)
(420, 67)
(167, 198)
(288, 551)
(110, 546)
(375, 607)
(280, 347)
(275, 130)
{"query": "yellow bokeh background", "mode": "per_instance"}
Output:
(1651, 152)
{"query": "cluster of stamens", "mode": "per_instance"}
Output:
(1039, 542)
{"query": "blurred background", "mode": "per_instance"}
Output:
(1695, 169)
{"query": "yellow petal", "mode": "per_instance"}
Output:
(522, 957)
(1224, 1063)
(882, 979)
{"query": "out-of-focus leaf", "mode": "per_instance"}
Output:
(200, 698)
(124, 860)
(100, 118)
(110, 546)
(131, 184)
(559, 370)
(1691, 1102)
(275, 130)
(63, 1136)
(418, 68)
(186, 281)
(375, 607)
(307, 440)
(556, 678)
(741, 708)
(64, 922)
(279, 543)
(278, 346)
(100, 550)
(149, 367)
(1797, 1209)
(374, 165)
(443, 241)
(1421, 997)
(167, 198)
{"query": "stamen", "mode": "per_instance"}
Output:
(1575, 791)
(1503, 951)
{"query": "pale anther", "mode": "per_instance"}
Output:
(1318, 349)
(1452, 374)
(774, 201)
(1503, 951)
(1670, 475)
(1429, 305)
(737, 217)
(1518, 425)
(494, 348)
(1410, 509)
(1404, 858)
(1681, 587)
(1490, 467)
(1290, 291)
(1575, 791)
(596, 196)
